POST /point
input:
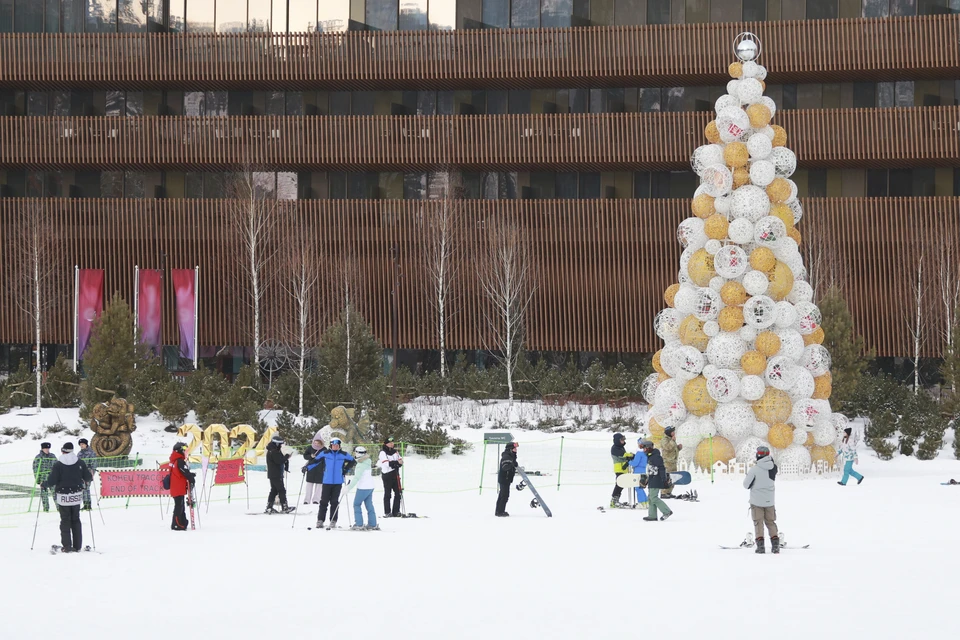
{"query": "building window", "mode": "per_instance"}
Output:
(822, 9)
(200, 16)
(658, 11)
(496, 14)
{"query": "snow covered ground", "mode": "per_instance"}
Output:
(882, 562)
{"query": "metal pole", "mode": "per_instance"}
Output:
(136, 299)
(76, 314)
(396, 329)
(560, 465)
(483, 464)
(196, 302)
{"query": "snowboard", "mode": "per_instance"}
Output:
(952, 482)
(56, 549)
(537, 500)
(628, 480)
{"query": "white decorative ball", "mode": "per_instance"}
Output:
(749, 90)
(731, 262)
(711, 328)
(747, 50)
(788, 248)
(808, 318)
(709, 370)
(794, 459)
(732, 88)
(685, 300)
(723, 385)
(689, 362)
(786, 314)
(803, 387)
(722, 204)
(725, 350)
(735, 420)
(801, 292)
(751, 202)
(759, 148)
(747, 334)
(762, 172)
(705, 156)
(799, 436)
(712, 246)
(668, 360)
(708, 305)
(824, 435)
(769, 232)
(816, 359)
(747, 449)
(688, 433)
(750, 69)
(690, 233)
(732, 123)
(793, 198)
(740, 230)
(781, 373)
(791, 343)
(761, 72)
(752, 388)
(667, 324)
(717, 282)
(726, 101)
(668, 391)
(649, 387)
(797, 211)
(826, 415)
(708, 427)
(769, 104)
(759, 312)
(717, 180)
(761, 430)
(669, 414)
(784, 160)
(755, 282)
(805, 414)
(768, 132)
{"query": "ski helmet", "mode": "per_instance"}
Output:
(334, 441)
(762, 451)
(646, 444)
(360, 451)
(178, 447)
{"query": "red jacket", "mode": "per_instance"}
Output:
(180, 475)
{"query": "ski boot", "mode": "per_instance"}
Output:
(319, 524)
(270, 510)
(643, 505)
(775, 545)
(357, 527)
(662, 518)
(759, 548)
(614, 504)
(286, 509)
(371, 528)
(650, 518)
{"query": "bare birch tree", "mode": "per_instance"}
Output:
(442, 222)
(824, 266)
(254, 212)
(914, 317)
(507, 280)
(38, 260)
(949, 281)
(303, 263)
(346, 275)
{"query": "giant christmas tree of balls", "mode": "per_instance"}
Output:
(742, 363)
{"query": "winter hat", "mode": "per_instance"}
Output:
(44, 445)
(277, 440)
(318, 436)
(67, 446)
(762, 451)
(669, 431)
(82, 441)
(848, 431)
(389, 439)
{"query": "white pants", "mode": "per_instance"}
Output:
(311, 492)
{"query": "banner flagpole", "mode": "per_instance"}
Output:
(136, 299)
(196, 329)
(76, 314)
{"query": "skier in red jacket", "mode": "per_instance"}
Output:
(181, 483)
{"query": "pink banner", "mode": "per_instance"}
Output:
(229, 472)
(184, 288)
(125, 484)
(89, 305)
(149, 316)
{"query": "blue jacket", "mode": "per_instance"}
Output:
(639, 462)
(331, 463)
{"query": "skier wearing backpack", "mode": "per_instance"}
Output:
(278, 463)
(67, 479)
(658, 479)
(181, 483)
(364, 484)
(760, 480)
(639, 465)
(848, 453)
(621, 465)
(333, 463)
(508, 467)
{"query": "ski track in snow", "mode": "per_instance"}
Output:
(882, 562)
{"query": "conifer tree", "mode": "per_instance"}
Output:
(365, 358)
(846, 348)
(62, 388)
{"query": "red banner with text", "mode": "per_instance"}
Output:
(229, 472)
(126, 484)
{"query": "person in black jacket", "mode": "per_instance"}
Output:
(658, 479)
(278, 463)
(314, 479)
(68, 478)
(621, 465)
(390, 462)
(508, 467)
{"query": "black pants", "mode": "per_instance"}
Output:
(179, 514)
(391, 483)
(329, 495)
(70, 524)
(277, 489)
(617, 489)
(502, 497)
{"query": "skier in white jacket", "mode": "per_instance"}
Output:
(364, 484)
(390, 463)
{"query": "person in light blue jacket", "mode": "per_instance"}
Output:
(848, 453)
(639, 465)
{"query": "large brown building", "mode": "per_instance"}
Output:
(128, 120)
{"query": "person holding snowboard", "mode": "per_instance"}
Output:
(657, 479)
(333, 464)
(390, 463)
(621, 465)
(639, 465)
(181, 483)
(42, 464)
(508, 467)
(314, 479)
(67, 478)
(89, 458)
(669, 449)
(848, 453)
(278, 463)
(760, 480)
(364, 483)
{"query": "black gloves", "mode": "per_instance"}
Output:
(394, 464)
(303, 469)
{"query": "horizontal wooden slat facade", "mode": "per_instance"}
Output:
(602, 265)
(908, 48)
(838, 138)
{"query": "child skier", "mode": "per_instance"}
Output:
(639, 465)
(621, 465)
(848, 453)
(508, 467)
(333, 464)
(278, 463)
(658, 479)
(364, 483)
(67, 478)
(760, 480)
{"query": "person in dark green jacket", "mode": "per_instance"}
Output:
(669, 449)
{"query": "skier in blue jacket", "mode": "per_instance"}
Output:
(639, 465)
(333, 463)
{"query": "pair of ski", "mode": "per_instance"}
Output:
(56, 548)
(338, 528)
(282, 512)
(748, 543)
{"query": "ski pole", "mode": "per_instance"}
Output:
(93, 536)
(299, 494)
(403, 504)
(35, 524)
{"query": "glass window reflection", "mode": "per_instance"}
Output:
(413, 15)
(231, 16)
(302, 16)
(333, 15)
(443, 14)
(258, 15)
(200, 16)
(132, 16)
(381, 15)
(101, 16)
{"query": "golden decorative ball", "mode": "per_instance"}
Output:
(809, 441)
(762, 259)
(814, 338)
(753, 363)
(711, 132)
(759, 115)
(736, 155)
(711, 450)
(784, 213)
(773, 407)
(732, 293)
(763, 85)
(716, 227)
(691, 333)
(735, 69)
(826, 453)
(731, 319)
(741, 176)
(703, 206)
(696, 398)
(778, 191)
(779, 136)
(822, 387)
(793, 233)
(655, 362)
(701, 268)
(780, 435)
(661, 377)
(655, 429)
(768, 343)
(669, 294)
(781, 281)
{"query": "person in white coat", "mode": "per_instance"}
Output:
(364, 484)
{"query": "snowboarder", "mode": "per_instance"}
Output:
(848, 452)
(278, 463)
(89, 458)
(760, 480)
(42, 464)
(181, 483)
(639, 465)
(508, 467)
(364, 483)
(390, 463)
(669, 449)
(314, 479)
(657, 479)
(67, 478)
(333, 464)
(621, 465)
